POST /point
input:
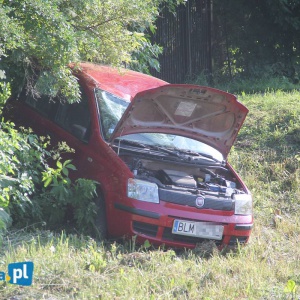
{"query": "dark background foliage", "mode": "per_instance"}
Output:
(231, 39)
(252, 38)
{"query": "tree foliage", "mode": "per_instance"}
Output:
(253, 38)
(47, 35)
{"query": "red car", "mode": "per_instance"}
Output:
(158, 151)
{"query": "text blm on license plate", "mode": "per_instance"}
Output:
(198, 229)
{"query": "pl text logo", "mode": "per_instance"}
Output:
(19, 273)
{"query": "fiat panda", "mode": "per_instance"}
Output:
(158, 151)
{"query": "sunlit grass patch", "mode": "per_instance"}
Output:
(75, 267)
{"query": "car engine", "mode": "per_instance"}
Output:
(215, 180)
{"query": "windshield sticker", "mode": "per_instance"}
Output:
(185, 109)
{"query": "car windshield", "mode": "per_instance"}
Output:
(174, 142)
(111, 109)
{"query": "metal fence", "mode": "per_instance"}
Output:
(186, 40)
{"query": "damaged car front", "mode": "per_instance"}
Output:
(174, 140)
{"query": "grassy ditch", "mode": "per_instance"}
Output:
(267, 157)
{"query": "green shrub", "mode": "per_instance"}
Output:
(4, 92)
(5, 221)
(22, 160)
(31, 190)
(62, 199)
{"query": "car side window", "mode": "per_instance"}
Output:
(44, 105)
(75, 118)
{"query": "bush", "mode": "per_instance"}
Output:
(23, 159)
(31, 190)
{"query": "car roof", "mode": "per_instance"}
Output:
(118, 81)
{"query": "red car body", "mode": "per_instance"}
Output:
(171, 196)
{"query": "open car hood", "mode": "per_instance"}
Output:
(205, 114)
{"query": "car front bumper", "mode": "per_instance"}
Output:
(148, 222)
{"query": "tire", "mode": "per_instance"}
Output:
(100, 226)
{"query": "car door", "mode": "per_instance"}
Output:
(74, 128)
(61, 121)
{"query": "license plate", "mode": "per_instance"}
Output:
(198, 229)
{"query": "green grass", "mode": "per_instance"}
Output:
(260, 83)
(267, 151)
(267, 157)
(68, 267)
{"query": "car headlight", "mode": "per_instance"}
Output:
(142, 190)
(243, 204)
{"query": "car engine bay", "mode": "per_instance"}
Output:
(214, 180)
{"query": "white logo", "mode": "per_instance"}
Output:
(199, 202)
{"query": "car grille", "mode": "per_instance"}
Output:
(211, 202)
(144, 228)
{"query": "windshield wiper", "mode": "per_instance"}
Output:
(177, 152)
(198, 154)
(173, 152)
(149, 147)
(132, 143)
(209, 156)
(117, 143)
